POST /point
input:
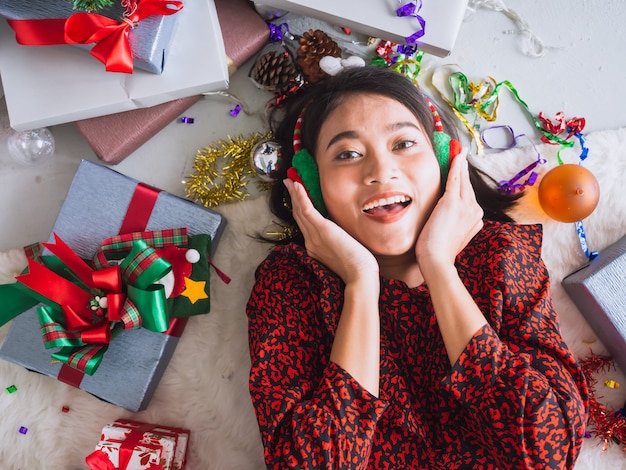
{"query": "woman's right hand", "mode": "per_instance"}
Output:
(327, 242)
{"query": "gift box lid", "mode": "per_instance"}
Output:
(48, 85)
(379, 19)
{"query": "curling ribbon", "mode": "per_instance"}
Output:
(507, 84)
(511, 186)
(112, 46)
(401, 58)
(411, 9)
(582, 238)
(456, 107)
(487, 104)
(72, 317)
(277, 32)
(573, 127)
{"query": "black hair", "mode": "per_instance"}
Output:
(325, 96)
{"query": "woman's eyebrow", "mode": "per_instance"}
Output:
(342, 135)
(402, 124)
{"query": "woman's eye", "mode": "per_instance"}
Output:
(348, 155)
(405, 144)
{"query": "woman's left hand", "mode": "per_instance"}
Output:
(457, 217)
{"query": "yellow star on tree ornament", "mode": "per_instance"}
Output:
(194, 290)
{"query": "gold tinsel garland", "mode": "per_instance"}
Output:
(221, 172)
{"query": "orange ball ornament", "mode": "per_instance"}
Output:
(568, 193)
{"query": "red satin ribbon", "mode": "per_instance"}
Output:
(139, 209)
(74, 301)
(112, 47)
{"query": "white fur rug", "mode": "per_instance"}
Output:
(205, 386)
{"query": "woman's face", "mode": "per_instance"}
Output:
(379, 175)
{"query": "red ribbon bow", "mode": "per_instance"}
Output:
(74, 301)
(112, 46)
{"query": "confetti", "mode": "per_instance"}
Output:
(235, 111)
(65, 409)
(11, 389)
(611, 384)
(23, 430)
(187, 120)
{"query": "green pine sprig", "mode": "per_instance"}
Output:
(91, 5)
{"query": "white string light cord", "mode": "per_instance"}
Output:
(531, 44)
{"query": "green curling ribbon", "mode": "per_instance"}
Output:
(494, 96)
(465, 99)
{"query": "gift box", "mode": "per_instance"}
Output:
(99, 204)
(115, 136)
(52, 85)
(442, 19)
(148, 40)
(599, 291)
(134, 445)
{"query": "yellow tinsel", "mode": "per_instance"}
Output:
(221, 171)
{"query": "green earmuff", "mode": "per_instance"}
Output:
(304, 170)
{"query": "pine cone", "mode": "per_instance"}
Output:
(274, 70)
(313, 46)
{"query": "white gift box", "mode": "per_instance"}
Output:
(378, 18)
(49, 85)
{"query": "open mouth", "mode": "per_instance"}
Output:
(388, 205)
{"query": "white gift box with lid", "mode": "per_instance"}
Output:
(378, 18)
(49, 85)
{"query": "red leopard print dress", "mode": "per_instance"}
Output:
(516, 397)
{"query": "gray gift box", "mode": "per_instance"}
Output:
(92, 211)
(599, 291)
(148, 40)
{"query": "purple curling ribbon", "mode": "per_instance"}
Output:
(411, 9)
(512, 185)
(277, 32)
(407, 10)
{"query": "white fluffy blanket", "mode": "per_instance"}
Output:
(205, 386)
